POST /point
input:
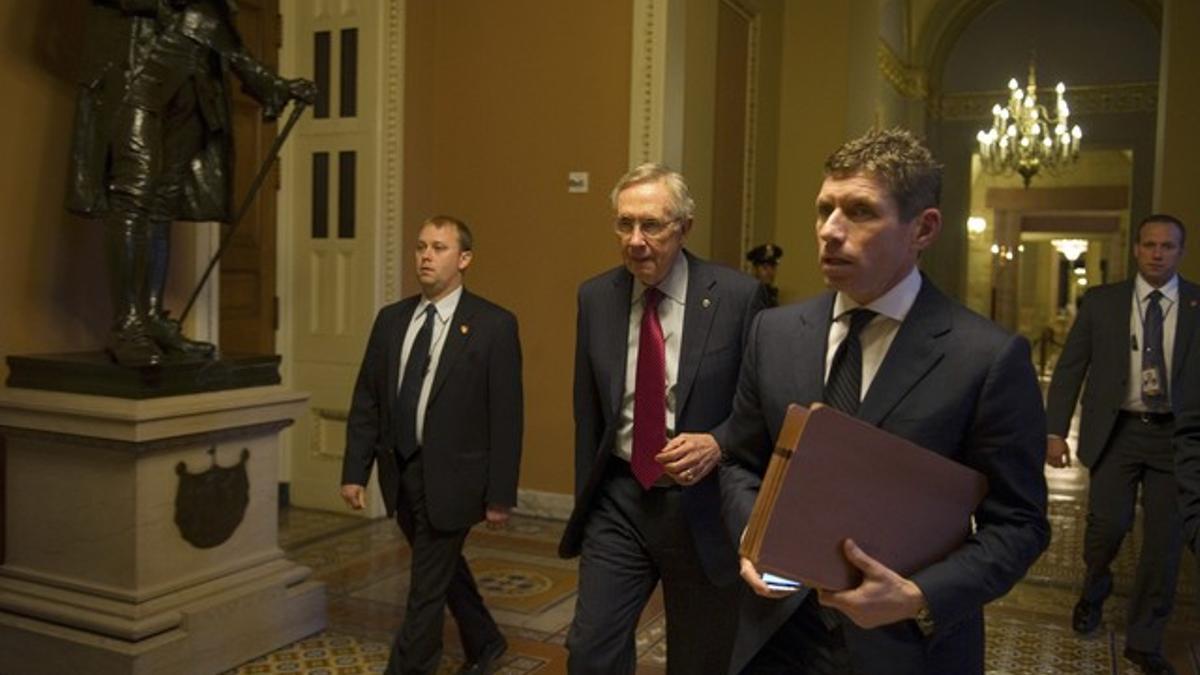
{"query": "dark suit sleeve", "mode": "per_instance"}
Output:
(365, 421)
(1070, 371)
(1006, 442)
(589, 419)
(756, 303)
(745, 443)
(506, 411)
(1187, 446)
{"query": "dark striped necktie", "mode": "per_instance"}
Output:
(843, 389)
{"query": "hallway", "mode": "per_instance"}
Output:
(532, 592)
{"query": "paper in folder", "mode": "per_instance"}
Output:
(834, 477)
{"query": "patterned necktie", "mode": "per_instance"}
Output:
(1154, 365)
(843, 389)
(410, 386)
(650, 394)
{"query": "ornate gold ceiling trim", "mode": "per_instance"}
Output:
(910, 81)
(1085, 100)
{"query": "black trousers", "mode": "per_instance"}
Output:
(439, 578)
(806, 644)
(1138, 454)
(635, 538)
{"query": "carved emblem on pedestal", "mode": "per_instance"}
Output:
(210, 505)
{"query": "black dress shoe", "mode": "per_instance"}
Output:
(1151, 663)
(485, 663)
(1086, 617)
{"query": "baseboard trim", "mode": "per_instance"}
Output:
(555, 505)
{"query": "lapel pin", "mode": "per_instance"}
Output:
(705, 303)
(1195, 302)
(464, 329)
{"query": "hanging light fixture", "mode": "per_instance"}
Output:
(1024, 139)
(1070, 249)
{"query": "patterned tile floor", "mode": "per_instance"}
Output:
(532, 593)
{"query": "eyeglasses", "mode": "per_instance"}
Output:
(650, 227)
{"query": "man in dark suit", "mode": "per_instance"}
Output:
(438, 406)
(890, 348)
(1136, 333)
(1187, 445)
(647, 508)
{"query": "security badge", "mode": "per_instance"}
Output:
(1151, 382)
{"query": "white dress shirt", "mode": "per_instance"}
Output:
(1141, 300)
(671, 307)
(444, 311)
(877, 336)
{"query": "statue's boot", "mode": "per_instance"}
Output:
(166, 332)
(134, 349)
(128, 256)
(167, 335)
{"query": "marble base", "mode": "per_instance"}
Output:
(95, 373)
(100, 573)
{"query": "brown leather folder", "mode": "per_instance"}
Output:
(834, 477)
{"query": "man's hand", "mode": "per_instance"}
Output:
(882, 598)
(355, 496)
(1058, 453)
(756, 583)
(688, 458)
(497, 516)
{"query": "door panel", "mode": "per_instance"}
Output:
(247, 286)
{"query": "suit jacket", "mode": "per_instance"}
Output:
(1101, 335)
(473, 418)
(720, 304)
(951, 382)
(1186, 398)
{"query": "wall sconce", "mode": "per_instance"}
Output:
(1003, 253)
(976, 225)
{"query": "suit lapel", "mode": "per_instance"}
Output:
(808, 351)
(396, 345)
(700, 306)
(458, 332)
(615, 320)
(1185, 326)
(916, 349)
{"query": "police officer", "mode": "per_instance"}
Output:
(765, 259)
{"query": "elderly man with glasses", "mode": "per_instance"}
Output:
(658, 345)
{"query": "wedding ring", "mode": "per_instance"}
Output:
(687, 475)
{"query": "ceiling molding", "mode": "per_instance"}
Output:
(1131, 97)
(910, 82)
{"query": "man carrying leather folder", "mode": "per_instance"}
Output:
(889, 348)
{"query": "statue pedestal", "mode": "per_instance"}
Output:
(128, 552)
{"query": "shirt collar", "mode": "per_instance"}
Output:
(895, 304)
(445, 306)
(1170, 290)
(674, 286)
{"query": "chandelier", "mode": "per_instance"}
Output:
(1070, 249)
(1024, 139)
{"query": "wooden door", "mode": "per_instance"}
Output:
(247, 285)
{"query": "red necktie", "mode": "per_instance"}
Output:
(650, 394)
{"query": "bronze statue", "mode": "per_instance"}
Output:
(153, 144)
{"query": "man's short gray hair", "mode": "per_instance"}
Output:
(682, 205)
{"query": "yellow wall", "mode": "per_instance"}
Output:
(513, 96)
(52, 288)
(1179, 140)
(812, 124)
